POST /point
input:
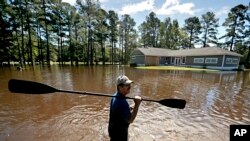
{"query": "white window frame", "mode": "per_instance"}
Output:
(235, 61)
(133, 57)
(199, 60)
(211, 60)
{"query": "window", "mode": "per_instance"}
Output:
(211, 60)
(235, 61)
(232, 61)
(229, 61)
(199, 60)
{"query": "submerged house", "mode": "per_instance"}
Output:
(208, 57)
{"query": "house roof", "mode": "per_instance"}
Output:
(150, 51)
(207, 51)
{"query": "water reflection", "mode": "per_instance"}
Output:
(214, 101)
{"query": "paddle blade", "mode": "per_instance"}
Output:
(173, 103)
(29, 87)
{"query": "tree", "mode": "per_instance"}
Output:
(28, 24)
(169, 34)
(176, 35)
(58, 26)
(234, 23)
(38, 27)
(154, 26)
(165, 33)
(80, 37)
(5, 33)
(44, 6)
(247, 34)
(69, 13)
(209, 30)
(17, 13)
(144, 31)
(184, 40)
(193, 26)
(113, 23)
(247, 45)
(89, 8)
(102, 29)
(76, 29)
(127, 31)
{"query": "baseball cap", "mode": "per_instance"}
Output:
(122, 79)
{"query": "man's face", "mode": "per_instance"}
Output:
(125, 89)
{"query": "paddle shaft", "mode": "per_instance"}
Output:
(99, 94)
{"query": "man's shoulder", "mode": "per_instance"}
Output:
(118, 98)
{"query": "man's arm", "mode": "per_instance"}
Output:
(137, 101)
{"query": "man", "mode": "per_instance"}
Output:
(121, 115)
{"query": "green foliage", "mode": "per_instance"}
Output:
(127, 34)
(209, 25)
(52, 30)
(235, 25)
(170, 36)
(150, 30)
(193, 26)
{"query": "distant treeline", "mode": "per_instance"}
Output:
(51, 30)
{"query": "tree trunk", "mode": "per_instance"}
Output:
(88, 47)
(22, 47)
(19, 50)
(38, 41)
(248, 56)
(60, 42)
(234, 28)
(29, 33)
(58, 47)
(76, 36)
(47, 35)
(122, 56)
(190, 40)
(103, 53)
(91, 51)
(205, 38)
(61, 48)
(71, 48)
(114, 52)
(126, 46)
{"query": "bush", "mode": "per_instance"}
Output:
(133, 65)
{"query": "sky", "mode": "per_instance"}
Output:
(175, 9)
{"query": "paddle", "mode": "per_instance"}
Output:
(30, 87)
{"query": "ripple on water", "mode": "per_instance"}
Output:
(80, 123)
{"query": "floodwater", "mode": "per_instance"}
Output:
(214, 102)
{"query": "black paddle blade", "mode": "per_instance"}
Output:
(173, 103)
(29, 87)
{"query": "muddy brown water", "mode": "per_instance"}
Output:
(214, 101)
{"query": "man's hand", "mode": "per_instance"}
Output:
(137, 100)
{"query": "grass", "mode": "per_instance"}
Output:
(174, 68)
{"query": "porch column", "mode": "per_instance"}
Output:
(238, 61)
(223, 61)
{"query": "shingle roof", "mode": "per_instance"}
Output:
(207, 51)
(150, 51)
